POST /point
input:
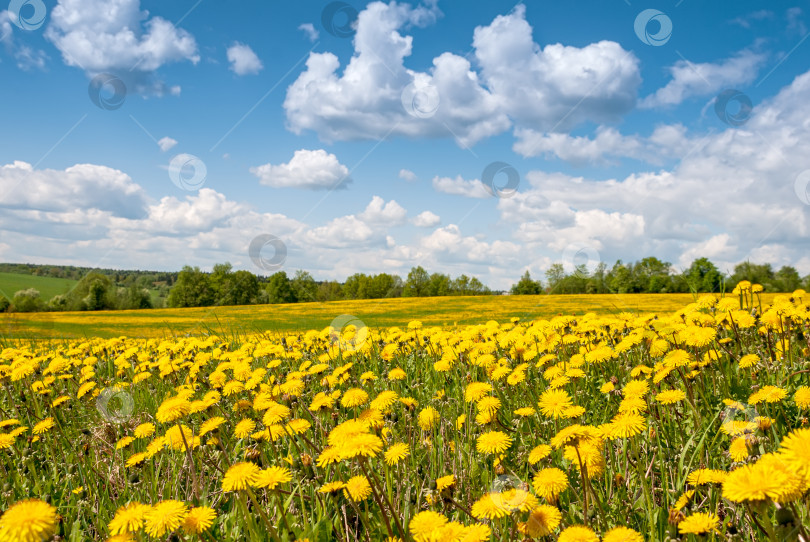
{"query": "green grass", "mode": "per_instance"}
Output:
(48, 286)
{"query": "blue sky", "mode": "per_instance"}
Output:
(366, 152)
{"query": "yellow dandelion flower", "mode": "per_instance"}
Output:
(397, 374)
(490, 506)
(124, 442)
(553, 403)
(360, 444)
(626, 425)
(574, 434)
(199, 519)
(30, 520)
(550, 482)
(795, 451)
(769, 394)
(425, 525)
(384, 400)
(272, 477)
(396, 453)
(668, 397)
(748, 360)
(165, 517)
(802, 397)
(211, 424)
(493, 442)
(43, 427)
(354, 398)
(684, 499)
(445, 482)
(578, 533)
(542, 521)
(145, 430)
(622, 534)
(539, 453)
(129, 518)
(240, 476)
(706, 476)
(636, 388)
(573, 412)
(357, 488)
(244, 428)
(428, 418)
(699, 523)
(738, 449)
(173, 409)
(331, 487)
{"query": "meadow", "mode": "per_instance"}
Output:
(48, 287)
(567, 418)
(378, 314)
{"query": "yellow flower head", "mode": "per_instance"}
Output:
(31, 520)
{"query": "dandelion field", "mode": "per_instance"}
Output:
(687, 424)
(375, 313)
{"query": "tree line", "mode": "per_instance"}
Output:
(191, 287)
(223, 286)
(651, 275)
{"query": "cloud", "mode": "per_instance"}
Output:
(166, 143)
(666, 141)
(577, 149)
(243, 60)
(28, 58)
(716, 248)
(314, 170)
(341, 232)
(71, 223)
(407, 175)
(461, 187)
(201, 211)
(448, 244)
(794, 21)
(6, 32)
(685, 212)
(689, 79)
(82, 186)
(746, 20)
(310, 31)
(376, 96)
(556, 87)
(426, 219)
(380, 212)
(116, 36)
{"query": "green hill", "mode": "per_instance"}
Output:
(47, 286)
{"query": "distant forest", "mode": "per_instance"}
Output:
(115, 289)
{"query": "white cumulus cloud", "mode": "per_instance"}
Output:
(426, 219)
(375, 95)
(380, 212)
(407, 175)
(311, 169)
(242, 59)
(310, 31)
(116, 36)
(690, 79)
(461, 187)
(166, 143)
